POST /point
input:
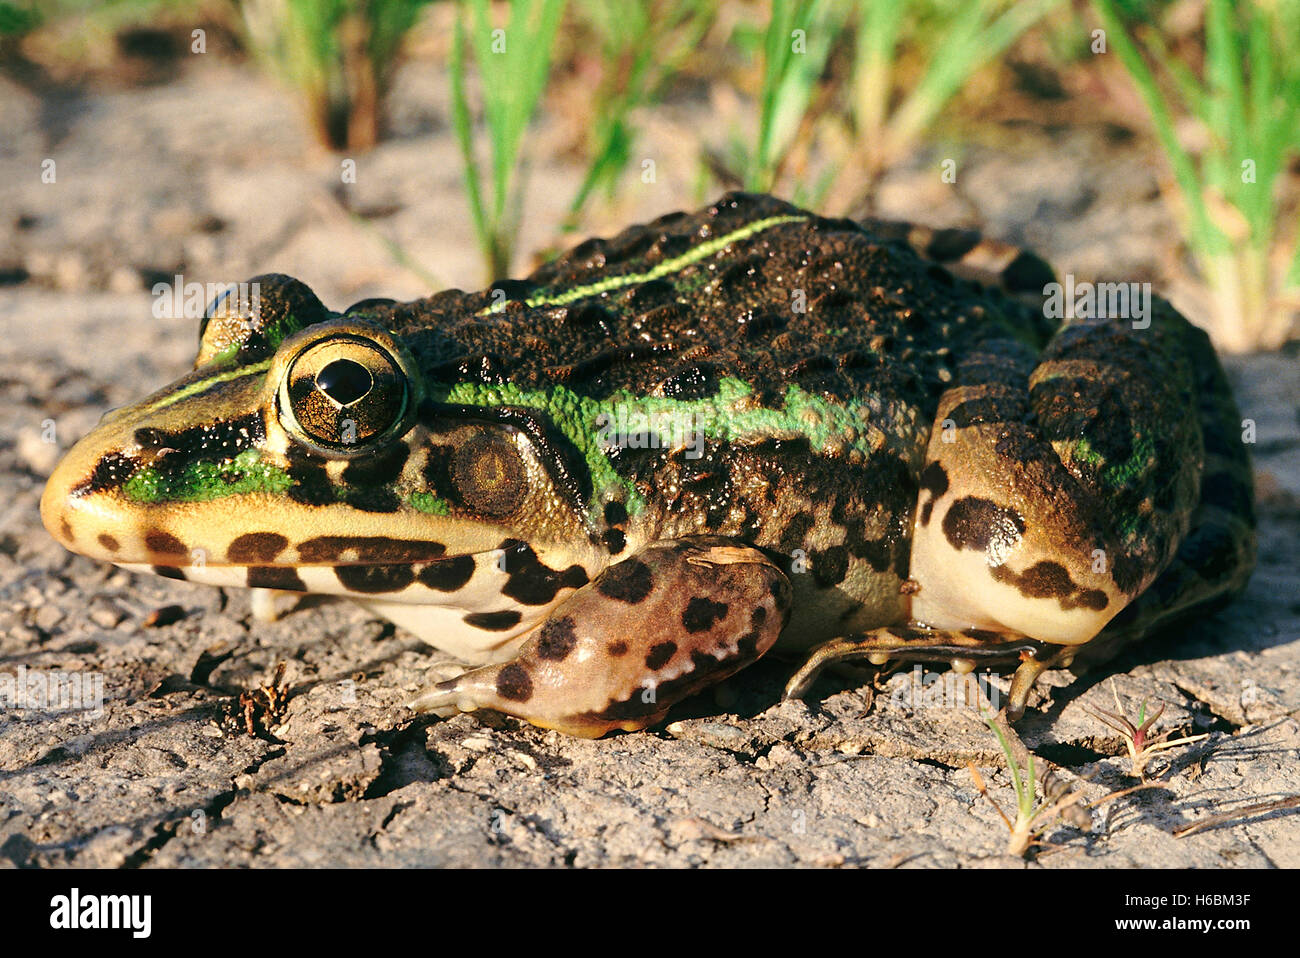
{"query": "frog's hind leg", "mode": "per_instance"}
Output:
(1217, 555)
(657, 627)
(1058, 488)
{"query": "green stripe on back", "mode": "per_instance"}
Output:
(666, 268)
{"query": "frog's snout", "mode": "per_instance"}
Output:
(78, 506)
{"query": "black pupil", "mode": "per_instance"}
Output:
(344, 381)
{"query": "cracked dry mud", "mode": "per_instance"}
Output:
(165, 777)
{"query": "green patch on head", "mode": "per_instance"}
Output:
(428, 502)
(205, 480)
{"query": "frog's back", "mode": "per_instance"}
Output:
(754, 371)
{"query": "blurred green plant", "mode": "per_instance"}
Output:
(339, 54)
(17, 19)
(642, 45)
(795, 47)
(908, 60)
(513, 65)
(1245, 110)
(951, 41)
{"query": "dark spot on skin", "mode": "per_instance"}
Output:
(877, 552)
(514, 683)
(702, 613)
(275, 577)
(747, 646)
(696, 381)
(902, 558)
(327, 549)
(617, 649)
(556, 639)
(630, 581)
(1128, 572)
(494, 621)
(830, 566)
(311, 484)
(758, 617)
(704, 662)
(659, 655)
(372, 500)
(975, 523)
(214, 441)
(1093, 599)
(447, 575)
(108, 542)
(374, 471)
(110, 472)
(947, 245)
(615, 541)
(66, 529)
(169, 572)
(532, 582)
(908, 634)
(1046, 580)
(793, 535)
(615, 513)
(781, 591)
(1051, 580)
(372, 579)
(934, 480)
(984, 410)
(255, 547)
(164, 543)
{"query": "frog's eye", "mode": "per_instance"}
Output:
(490, 474)
(343, 394)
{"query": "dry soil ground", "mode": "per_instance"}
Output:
(213, 173)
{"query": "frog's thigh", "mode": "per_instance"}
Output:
(1055, 492)
(617, 654)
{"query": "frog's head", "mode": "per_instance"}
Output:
(306, 451)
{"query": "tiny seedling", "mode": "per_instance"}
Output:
(1141, 748)
(1060, 802)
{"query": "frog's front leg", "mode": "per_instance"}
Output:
(962, 650)
(674, 618)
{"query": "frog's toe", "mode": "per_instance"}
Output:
(270, 604)
(963, 651)
(621, 651)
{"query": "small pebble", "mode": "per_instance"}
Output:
(164, 616)
(106, 616)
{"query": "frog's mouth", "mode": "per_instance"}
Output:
(266, 539)
(235, 521)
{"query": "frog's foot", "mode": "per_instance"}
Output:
(962, 650)
(678, 616)
(269, 604)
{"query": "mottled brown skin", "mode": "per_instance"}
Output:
(897, 461)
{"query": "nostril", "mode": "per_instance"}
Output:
(149, 438)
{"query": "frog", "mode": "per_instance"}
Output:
(615, 483)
